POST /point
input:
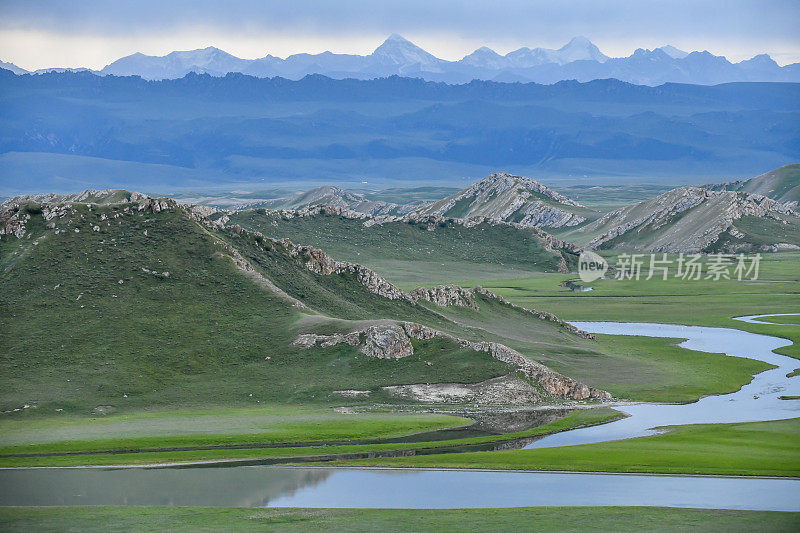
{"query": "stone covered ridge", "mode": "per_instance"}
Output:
(508, 198)
(686, 219)
(447, 295)
(392, 341)
(16, 212)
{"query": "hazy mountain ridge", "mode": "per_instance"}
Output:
(69, 131)
(329, 195)
(579, 59)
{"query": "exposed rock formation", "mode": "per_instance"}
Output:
(552, 382)
(386, 342)
(507, 198)
(16, 212)
(508, 389)
(686, 219)
(390, 341)
(445, 295)
(382, 341)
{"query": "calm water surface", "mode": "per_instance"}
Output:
(269, 486)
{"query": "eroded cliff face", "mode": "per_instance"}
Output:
(382, 341)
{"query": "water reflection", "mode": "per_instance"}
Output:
(261, 486)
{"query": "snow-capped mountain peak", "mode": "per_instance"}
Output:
(13, 68)
(671, 51)
(485, 57)
(396, 50)
(578, 49)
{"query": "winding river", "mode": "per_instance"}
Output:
(271, 486)
(756, 401)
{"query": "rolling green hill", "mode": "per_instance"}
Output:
(114, 301)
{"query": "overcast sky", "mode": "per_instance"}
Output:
(84, 33)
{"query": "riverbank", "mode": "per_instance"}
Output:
(743, 449)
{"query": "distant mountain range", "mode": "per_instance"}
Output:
(73, 130)
(579, 59)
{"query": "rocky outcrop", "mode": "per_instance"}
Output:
(386, 342)
(318, 261)
(507, 198)
(445, 295)
(392, 341)
(382, 341)
(552, 382)
(686, 219)
(15, 214)
(309, 340)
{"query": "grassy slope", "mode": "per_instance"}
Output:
(75, 338)
(408, 253)
(756, 448)
(110, 519)
(782, 184)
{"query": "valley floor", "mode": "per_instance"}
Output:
(110, 519)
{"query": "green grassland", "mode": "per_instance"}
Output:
(262, 424)
(119, 443)
(786, 320)
(671, 301)
(408, 253)
(112, 519)
(754, 448)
